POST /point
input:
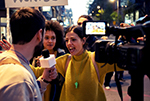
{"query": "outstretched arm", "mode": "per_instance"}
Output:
(5, 45)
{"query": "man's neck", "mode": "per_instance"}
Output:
(26, 50)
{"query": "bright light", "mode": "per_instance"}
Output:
(46, 8)
(98, 7)
(112, 0)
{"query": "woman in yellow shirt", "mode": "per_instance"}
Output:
(81, 81)
(53, 41)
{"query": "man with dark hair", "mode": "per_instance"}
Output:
(24, 24)
(83, 18)
(17, 80)
(90, 39)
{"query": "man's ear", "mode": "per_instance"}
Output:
(39, 35)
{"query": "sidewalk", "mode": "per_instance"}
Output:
(112, 94)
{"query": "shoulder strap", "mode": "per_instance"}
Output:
(95, 65)
(67, 62)
(10, 61)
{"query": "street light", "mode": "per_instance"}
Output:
(112, 0)
(98, 7)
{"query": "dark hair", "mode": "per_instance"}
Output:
(79, 31)
(86, 16)
(59, 32)
(24, 24)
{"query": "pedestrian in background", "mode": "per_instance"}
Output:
(90, 39)
(3, 38)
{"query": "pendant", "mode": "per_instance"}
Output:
(76, 85)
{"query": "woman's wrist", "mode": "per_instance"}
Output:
(45, 80)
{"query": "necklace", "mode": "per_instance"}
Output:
(77, 83)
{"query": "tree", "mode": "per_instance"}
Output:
(116, 17)
(108, 11)
(103, 13)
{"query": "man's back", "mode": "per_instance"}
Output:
(17, 81)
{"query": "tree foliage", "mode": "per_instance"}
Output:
(116, 17)
(104, 12)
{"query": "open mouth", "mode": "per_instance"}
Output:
(71, 49)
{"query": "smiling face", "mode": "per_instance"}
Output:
(49, 40)
(74, 43)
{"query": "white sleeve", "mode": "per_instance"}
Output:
(43, 85)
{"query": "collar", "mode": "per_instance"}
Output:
(20, 56)
(80, 57)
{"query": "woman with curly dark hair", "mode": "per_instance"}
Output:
(53, 41)
(57, 33)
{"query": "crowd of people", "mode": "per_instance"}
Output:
(76, 75)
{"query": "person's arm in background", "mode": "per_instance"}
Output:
(5, 45)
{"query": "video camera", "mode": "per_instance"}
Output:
(127, 54)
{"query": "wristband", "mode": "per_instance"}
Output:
(46, 81)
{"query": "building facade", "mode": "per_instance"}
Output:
(136, 9)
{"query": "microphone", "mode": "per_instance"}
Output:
(47, 60)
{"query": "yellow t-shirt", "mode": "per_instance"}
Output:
(81, 69)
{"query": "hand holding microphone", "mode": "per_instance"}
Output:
(48, 62)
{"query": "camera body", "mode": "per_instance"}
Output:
(104, 52)
(131, 56)
(128, 56)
